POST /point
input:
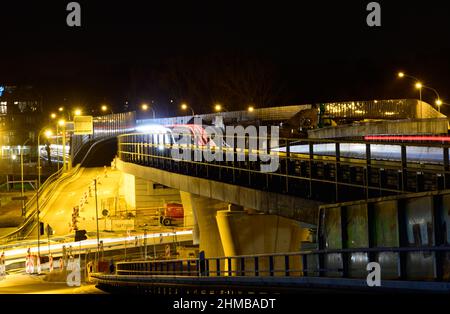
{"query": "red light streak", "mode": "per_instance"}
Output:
(417, 138)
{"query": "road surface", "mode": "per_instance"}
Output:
(33, 284)
(58, 212)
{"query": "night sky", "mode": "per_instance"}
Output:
(319, 52)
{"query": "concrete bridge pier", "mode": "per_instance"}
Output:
(224, 229)
(246, 232)
(206, 232)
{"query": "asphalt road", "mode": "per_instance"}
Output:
(33, 284)
(58, 212)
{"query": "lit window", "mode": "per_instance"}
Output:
(3, 107)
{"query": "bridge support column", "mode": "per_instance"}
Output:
(206, 231)
(190, 217)
(246, 233)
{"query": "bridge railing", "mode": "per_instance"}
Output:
(307, 263)
(46, 191)
(105, 126)
(324, 170)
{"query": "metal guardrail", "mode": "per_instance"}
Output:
(46, 191)
(105, 126)
(298, 264)
(349, 110)
(332, 177)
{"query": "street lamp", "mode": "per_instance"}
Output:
(47, 133)
(21, 175)
(251, 109)
(61, 109)
(96, 218)
(419, 86)
(78, 112)
(105, 108)
(145, 107)
(438, 100)
(184, 106)
(61, 123)
(53, 115)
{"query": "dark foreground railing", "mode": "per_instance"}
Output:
(273, 273)
(309, 263)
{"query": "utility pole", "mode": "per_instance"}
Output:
(96, 217)
(145, 244)
(64, 147)
(21, 176)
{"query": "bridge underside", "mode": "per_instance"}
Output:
(230, 220)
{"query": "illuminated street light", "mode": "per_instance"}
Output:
(184, 106)
(105, 108)
(218, 107)
(61, 123)
(77, 112)
(60, 109)
(47, 133)
(145, 107)
(251, 109)
(22, 148)
(53, 115)
(418, 85)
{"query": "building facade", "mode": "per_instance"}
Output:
(20, 119)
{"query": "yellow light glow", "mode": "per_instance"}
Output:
(184, 106)
(218, 107)
(250, 109)
(438, 102)
(418, 85)
(104, 107)
(60, 109)
(61, 122)
(48, 133)
(53, 115)
(144, 107)
(401, 74)
(77, 112)
(13, 157)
